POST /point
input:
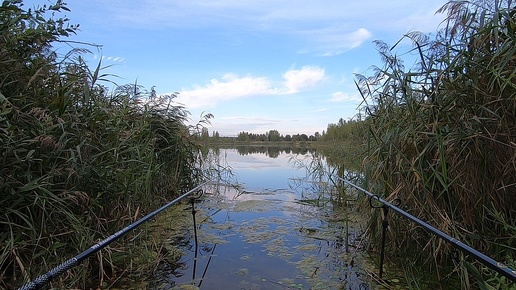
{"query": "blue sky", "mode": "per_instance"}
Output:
(255, 65)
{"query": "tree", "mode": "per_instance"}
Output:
(205, 135)
(243, 136)
(274, 136)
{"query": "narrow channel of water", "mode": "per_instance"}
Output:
(275, 230)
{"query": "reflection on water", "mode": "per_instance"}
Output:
(275, 230)
(272, 151)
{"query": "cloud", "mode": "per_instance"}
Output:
(331, 41)
(232, 86)
(109, 58)
(357, 37)
(229, 87)
(339, 97)
(306, 77)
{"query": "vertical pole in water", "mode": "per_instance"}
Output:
(347, 231)
(385, 224)
(192, 200)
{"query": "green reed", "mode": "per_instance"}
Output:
(78, 162)
(442, 135)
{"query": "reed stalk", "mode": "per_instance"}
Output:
(78, 162)
(443, 134)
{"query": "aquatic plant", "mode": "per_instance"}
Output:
(442, 134)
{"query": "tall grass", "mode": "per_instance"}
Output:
(78, 162)
(442, 133)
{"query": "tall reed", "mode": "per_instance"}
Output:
(77, 162)
(442, 133)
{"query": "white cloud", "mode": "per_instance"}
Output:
(231, 86)
(337, 44)
(330, 41)
(109, 58)
(356, 38)
(306, 77)
(344, 97)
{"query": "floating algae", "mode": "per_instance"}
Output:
(307, 247)
(253, 206)
(277, 247)
(243, 272)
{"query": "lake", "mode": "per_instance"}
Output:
(272, 221)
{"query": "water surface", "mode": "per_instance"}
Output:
(267, 225)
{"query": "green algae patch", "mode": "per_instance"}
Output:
(243, 272)
(307, 247)
(277, 247)
(253, 206)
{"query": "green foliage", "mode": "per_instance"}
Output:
(78, 163)
(275, 136)
(442, 134)
(343, 131)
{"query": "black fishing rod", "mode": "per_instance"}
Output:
(44, 279)
(484, 259)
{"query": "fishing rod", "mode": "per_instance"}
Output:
(44, 279)
(484, 259)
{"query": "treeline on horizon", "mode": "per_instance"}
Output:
(341, 131)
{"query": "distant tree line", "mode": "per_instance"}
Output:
(340, 131)
(275, 136)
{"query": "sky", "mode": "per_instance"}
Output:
(255, 65)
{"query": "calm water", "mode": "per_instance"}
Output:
(267, 225)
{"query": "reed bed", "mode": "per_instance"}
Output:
(442, 137)
(79, 162)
